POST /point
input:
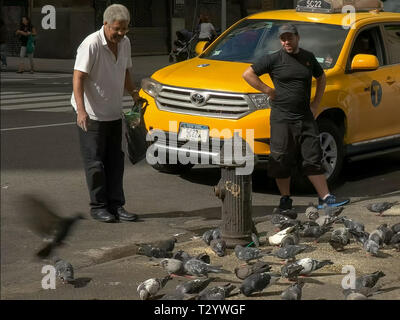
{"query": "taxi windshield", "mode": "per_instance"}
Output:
(252, 39)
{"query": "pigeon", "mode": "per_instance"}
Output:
(218, 246)
(277, 238)
(360, 237)
(150, 251)
(207, 236)
(203, 257)
(396, 228)
(290, 240)
(173, 296)
(326, 220)
(193, 286)
(395, 241)
(242, 272)
(368, 280)
(387, 233)
(290, 213)
(255, 240)
(311, 265)
(216, 234)
(340, 238)
(216, 293)
(182, 256)
(64, 270)
(258, 282)
(351, 295)
(197, 267)
(248, 253)
(151, 287)
(46, 223)
(371, 247)
(377, 236)
(289, 252)
(167, 245)
(293, 292)
(314, 232)
(352, 225)
(312, 213)
(291, 271)
(172, 266)
(380, 207)
(333, 211)
(283, 222)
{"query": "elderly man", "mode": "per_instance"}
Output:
(100, 77)
(292, 121)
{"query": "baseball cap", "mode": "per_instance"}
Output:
(287, 28)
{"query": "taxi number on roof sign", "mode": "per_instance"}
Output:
(314, 5)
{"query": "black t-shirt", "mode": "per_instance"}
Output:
(292, 77)
(24, 39)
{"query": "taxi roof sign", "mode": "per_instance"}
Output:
(332, 6)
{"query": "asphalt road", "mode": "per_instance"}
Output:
(40, 153)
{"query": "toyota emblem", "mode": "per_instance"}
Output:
(198, 99)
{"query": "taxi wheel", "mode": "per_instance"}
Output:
(173, 168)
(331, 139)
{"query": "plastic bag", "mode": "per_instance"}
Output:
(30, 45)
(136, 131)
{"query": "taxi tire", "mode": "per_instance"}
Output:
(302, 183)
(173, 168)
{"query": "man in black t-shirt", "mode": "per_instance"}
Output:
(293, 128)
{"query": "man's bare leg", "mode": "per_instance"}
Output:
(320, 185)
(283, 186)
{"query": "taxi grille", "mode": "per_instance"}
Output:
(218, 105)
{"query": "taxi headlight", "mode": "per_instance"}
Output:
(151, 87)
(260, 100)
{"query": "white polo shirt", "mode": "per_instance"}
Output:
(104, 86)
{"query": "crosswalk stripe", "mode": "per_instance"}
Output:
(41, 126)
(29, 100)
(125, 105)
(26, 95)
(9, 93)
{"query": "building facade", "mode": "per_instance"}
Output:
(152, 28)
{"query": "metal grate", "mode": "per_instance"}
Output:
(217, 104)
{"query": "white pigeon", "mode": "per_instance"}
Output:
(150, 287)
(277, 238)
(309, 265)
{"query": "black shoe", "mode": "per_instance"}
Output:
(102, 215)
(123, 215)
(285, 203)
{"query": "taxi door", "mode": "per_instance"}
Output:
(371, 95)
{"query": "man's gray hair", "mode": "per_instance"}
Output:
(116, 12)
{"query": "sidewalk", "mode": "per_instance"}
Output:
(142, 65)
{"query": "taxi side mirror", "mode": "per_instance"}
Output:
(364, 62)
(200, 47)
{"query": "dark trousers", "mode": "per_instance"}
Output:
(103, 160)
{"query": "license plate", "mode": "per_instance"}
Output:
(193, 132)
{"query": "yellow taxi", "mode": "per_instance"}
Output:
(205, 99)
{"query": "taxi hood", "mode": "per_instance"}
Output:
(207, 74)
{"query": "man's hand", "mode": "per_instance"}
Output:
(82, 120)
(271, 93)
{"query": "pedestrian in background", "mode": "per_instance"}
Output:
(100, 76)
(3, 45)
(294, 131)
(206, 29)
(26, 33)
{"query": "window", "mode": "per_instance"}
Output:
(393, 42)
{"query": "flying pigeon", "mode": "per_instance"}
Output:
(151, 287)
(277, 238)
(258, 282)
(64, 270)
(311, 265)
(294, 292)
(242, 272)
(387, 233)
(340, 238)
(289, 252)
(197, 267)
(380, 207)
(218, 246)
(249, 253)
(216, 293)
(291, 271)
(312, 213)
(46, 223)
(193, 286)
(172, 266)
